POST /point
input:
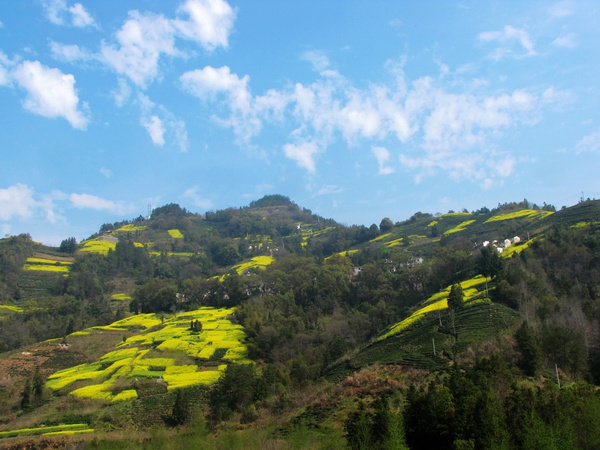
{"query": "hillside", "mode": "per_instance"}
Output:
(170, 313)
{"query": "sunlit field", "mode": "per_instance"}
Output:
(471, 289)
(175, 233)
(166, 350)
(98, 246)
(529, 213)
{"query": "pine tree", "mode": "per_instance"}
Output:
(456, 299)
(38, 385)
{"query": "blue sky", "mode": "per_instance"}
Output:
(356, 110)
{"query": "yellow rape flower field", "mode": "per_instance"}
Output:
(530, 213)
(175, 233)
(165, 350)
(471, 289)
(98, 246)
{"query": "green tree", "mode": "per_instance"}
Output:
(68, 245)
(26, 395)
(181, 408)
(456, 299)
(386, 225)
(531, 354)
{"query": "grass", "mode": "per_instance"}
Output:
(120, 297)
(175, 233)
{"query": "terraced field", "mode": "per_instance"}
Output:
(165, 350)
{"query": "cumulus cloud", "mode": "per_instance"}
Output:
(69, 53)
(145, 37)
(210, 22)
(17, 201)
(303, 154)
(161, 124)
(80, 17)
(589, 143)
(506, 36)
(331, 189)
(194, 196)
(568, 40)
(317, 58)
(88, 201)
(5, 63)
(141, 41)
(561, 9)
(76, 15)
(155, 129)
(50, 93)
(445, 130)
(106, 172)
(382, 155)
(122, 93)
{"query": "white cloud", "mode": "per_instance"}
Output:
(17, 201)
(444, 130)
(88, 201)
(155, 129)
(50, 93)
(382, 155)
(106, 172)
(561, 9)
(210, 22)
(122, 93)
(331, 189)
(80, 17)
(145, 37)
(162, 125)
(507, 35)
(193, 195)
(317, 58)
(589, 143)
(141, 41)
(567, 40)
(48, 206)
(4, 64)
(58, 13)
(69, 53)
(303, 154)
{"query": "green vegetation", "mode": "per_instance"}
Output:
(269, 327)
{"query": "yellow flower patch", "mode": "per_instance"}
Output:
(129, 228)
(98, 246)
(437, 302)
(530, 213)
(48, 261)
(175, 233)
(120, 296)
(180, 380)
(125, 395)
(12, 308)
(46, 268)
(459, 227)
